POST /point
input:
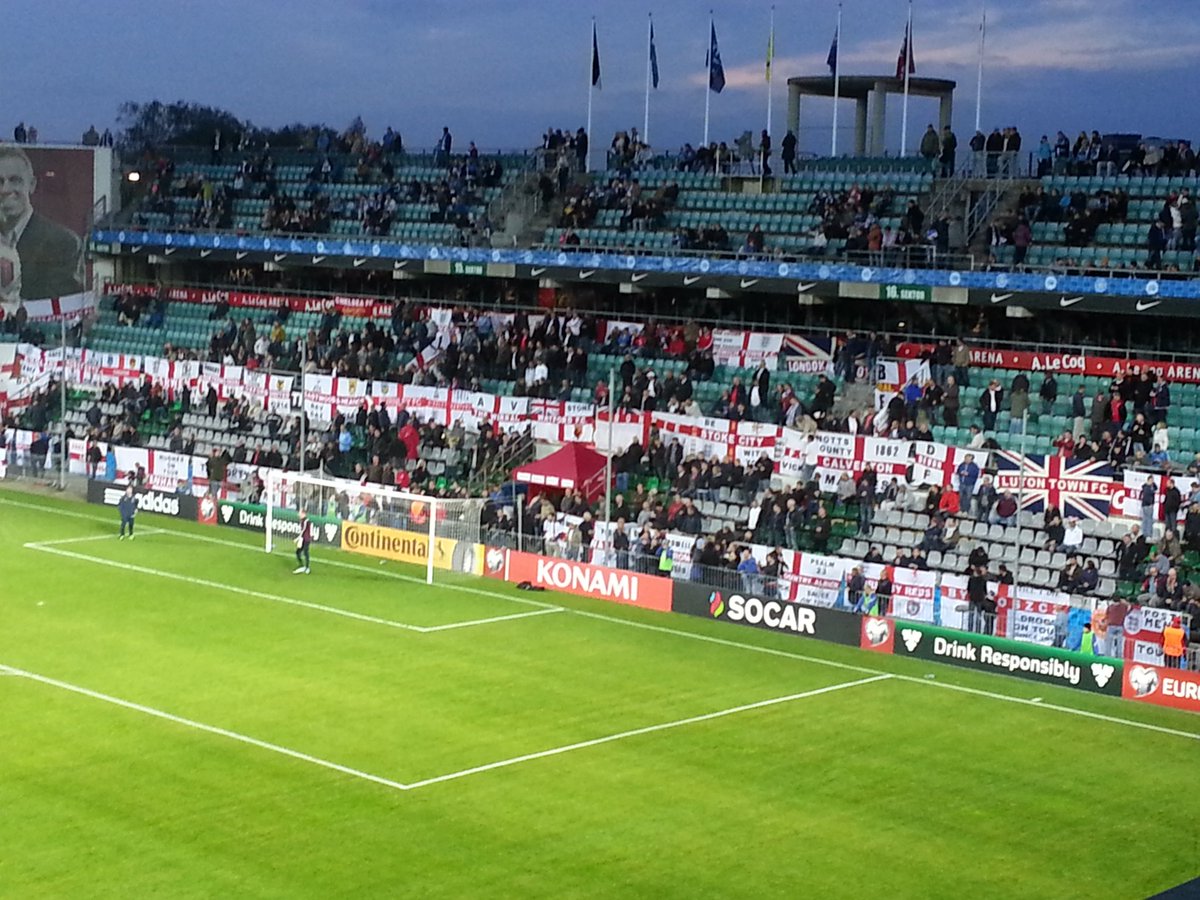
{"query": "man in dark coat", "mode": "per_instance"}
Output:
(50, 256)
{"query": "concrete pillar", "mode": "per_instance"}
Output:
(877, 99)
(860, 127)
(946, 111)
(793, 113)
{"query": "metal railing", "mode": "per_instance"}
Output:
(939, 262)
(667, 318)
(913, 256)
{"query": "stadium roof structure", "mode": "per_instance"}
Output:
(869, 93)
(573, 467)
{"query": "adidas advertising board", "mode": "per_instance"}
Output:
(177, 506)
(743, 608)
(1048, 665)
(284, 523)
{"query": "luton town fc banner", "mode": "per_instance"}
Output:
(1081, 489)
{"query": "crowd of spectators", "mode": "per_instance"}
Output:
(640, 210)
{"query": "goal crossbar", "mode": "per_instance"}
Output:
(285, 490)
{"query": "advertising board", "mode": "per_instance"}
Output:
(587, 580)
(177, 506)
(984, 653)
(769, 614)
(411, 547)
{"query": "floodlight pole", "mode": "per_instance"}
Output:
(1020, 500)
(303, 417)
(63, 451)
(520, 502)
(608, 462)
(432, 541)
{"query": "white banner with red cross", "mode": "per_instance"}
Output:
(1032, 614)
(891, 376)
(746, 349)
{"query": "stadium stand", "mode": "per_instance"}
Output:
(412, 197)
(825, 212)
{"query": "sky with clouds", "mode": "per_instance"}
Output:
(501, 72)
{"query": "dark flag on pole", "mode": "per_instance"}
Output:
(595, 59)
(716, 71)
(831, 60)
(653, 59)
(906, 60)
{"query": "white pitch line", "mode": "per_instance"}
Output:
(695, 636)
(216, 585)
(1039, 703)
(399, 576)
(911, 679)
(451, 776)
(200, 726)
(429, 629)
(37, 545)
(45, 547)
(649, 729)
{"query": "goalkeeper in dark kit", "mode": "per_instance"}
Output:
(303, 540)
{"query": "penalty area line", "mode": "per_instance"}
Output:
(649, 729)
(697, 636)
(430, 629)
(49, 547)
(59, 542)
(216, 585)
(201, 726)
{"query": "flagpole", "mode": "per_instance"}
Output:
(591, 88)
(979, 77)
(907, 72)
(837, 82)
(708, 76)
(649, 49)
(770, 60)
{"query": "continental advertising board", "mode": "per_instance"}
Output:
(411, 547)
(1048, 665)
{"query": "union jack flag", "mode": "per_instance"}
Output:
(1080, 489)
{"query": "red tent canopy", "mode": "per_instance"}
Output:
(574, 467)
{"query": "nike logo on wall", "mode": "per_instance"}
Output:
(748, 283)
(690, 280)
(803, 288)
(1064, 302)
(587, 274)
(534, 273)
(1000, 298)
(359, 261)
(1143, 305)
(636, 277)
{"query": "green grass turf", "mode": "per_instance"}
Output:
(894, 788)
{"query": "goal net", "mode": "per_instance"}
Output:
(437, 533)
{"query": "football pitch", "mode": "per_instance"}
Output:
(184, 717)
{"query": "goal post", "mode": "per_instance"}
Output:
(437, 533)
